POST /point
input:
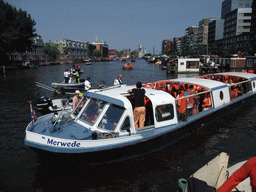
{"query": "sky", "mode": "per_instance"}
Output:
(122, 24)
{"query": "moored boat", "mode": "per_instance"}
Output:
(101, 128)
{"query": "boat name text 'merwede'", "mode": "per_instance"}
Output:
(63, 144)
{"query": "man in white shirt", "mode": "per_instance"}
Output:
(87, 83)
(118, 80)
(66, 76)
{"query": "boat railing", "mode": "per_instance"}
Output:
(107, 88)
(53, 128)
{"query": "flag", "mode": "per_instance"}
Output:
(33, 114)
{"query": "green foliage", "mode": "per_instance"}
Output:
(96, 53)
(16, 30)
(119, 53)
(134, 53)
(51, 51)
(65, 50)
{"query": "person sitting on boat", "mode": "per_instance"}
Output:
(66, 76)
(139, 111)
(87, 83)
(76, 99)
(207, 102)
(248, 169)
(118, 80)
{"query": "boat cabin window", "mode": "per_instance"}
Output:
(164, 112)
(126, 125)
(111, 117)
(92, 110)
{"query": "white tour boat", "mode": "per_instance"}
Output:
(101, 128)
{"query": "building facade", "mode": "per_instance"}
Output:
(35, 54)
(102, 46)
(76, 49)
(141, 51)
(237, 27)
(253, 27)
(216, 29)
(230, 5)
(203, 28)
(190, 39)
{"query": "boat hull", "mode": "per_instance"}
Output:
(67, 85)
(119, 153)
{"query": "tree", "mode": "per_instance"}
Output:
(65, 50)
(51, 51)
(119, 53)
(16, 30)
(96, 53)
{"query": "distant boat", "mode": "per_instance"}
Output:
(132, 60)
(127, 66)
(88, 63)
(29, 65)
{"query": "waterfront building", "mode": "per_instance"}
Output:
(203, 27)
(102, 46)
(126, 53)
(112, 53)
(237, 27)
(76, 49)
(215, 33)
(190, 38)
(178, 41)
(216, 29)
(36, 52)
(253, 27)
(230, 5)
(141, 51)
(166, 46)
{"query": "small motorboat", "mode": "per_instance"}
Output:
(67, 85)
(88, 63)
(127, 66)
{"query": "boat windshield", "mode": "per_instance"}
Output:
(92, 110)
(111, 117)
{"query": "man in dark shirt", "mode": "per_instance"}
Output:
(139, 111)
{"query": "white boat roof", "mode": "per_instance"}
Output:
(240, 74)
(117, 95)
(209, 84)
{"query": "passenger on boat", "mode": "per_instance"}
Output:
(182, 106)
(232, 93)
(76, 99)
(66, 76)
(139, 111)
(72, 75)
(118, 80)
(248, 169)
(87, 83)
(207, 102)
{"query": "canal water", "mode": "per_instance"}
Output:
(20, 169)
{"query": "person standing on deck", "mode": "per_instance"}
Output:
(118, 80)
(182, 106)
(87, 83)
(66, 76)
(139, 111)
